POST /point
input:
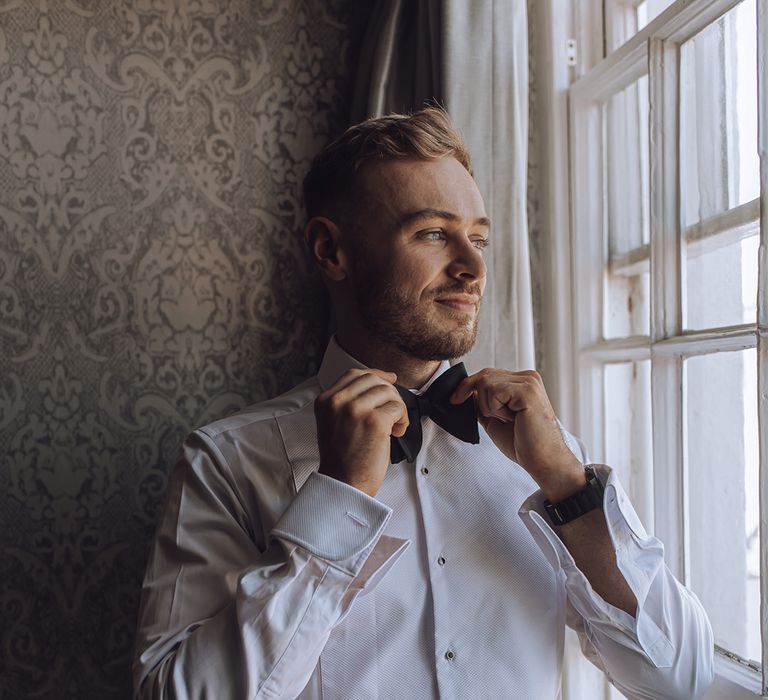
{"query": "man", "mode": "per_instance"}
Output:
(358, 537)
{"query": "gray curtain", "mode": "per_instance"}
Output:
(472, 57)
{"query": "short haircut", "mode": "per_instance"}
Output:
(427, 134)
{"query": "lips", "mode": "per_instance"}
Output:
(467, 304)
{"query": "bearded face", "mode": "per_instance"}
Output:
(412, 240)
(416, 324)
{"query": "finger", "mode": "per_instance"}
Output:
(352, 375)
(357, 381)
(490, 376)
(474, 383)
(367, 406)
(377, 395)
(465, 389)
(483, 404)
(399, 414)
(385, 401)
(492, 425)
(505, 404)
(389, 376)
(498, 402)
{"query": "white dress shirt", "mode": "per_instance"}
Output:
(269, 580)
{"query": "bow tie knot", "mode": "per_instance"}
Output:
(424, 403)
(460, 420)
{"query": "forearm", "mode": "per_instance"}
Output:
(588, 540)
(249, 648)
(659, 646)
(589, 543)
(228, 617)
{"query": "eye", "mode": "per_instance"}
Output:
(481, 243)
(437, 233)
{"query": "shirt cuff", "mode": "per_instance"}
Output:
(385, 553)
(639, 558)
(334, 521)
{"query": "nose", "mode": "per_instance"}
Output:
(467, 262)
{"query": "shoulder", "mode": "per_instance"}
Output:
(255, 437)
(259, 416)
(252, 452)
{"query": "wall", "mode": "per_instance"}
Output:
(151, 279)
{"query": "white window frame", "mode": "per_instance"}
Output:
(655, 51)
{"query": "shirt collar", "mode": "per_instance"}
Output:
(336, 361)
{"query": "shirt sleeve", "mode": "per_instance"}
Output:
(666, 650)
(225, 615)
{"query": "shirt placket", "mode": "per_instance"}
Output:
(437, 537)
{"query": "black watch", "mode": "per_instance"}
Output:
(589, 498)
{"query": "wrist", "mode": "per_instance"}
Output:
(564, 482)
(366, 487)
(581, 503)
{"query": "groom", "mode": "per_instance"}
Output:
(361, 536)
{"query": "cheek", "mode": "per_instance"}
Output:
(411, 273)
(421, 276)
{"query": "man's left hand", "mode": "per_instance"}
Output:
(515, 411)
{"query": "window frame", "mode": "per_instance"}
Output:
(654, 51)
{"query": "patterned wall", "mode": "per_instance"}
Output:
(151, 279)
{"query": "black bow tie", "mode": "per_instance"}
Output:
(460, 420)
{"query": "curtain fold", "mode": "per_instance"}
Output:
(399, 65)
(473, 59)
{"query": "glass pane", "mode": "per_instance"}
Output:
(721, 284)
(722, 453)
(626, 167)
(628, 438)
(649, 10)
(718, 116)
(627, 299)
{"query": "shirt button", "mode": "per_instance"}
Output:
(441, 560)
(449, 655)
(424, 471)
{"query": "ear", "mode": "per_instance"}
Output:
(323, 239)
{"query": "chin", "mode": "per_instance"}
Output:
(416, 331)
(438, 344)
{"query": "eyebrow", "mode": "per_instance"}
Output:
(431, 213)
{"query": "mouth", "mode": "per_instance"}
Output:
(460, 304)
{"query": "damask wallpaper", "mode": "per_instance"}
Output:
(151, 278)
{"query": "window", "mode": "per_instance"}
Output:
(666, 231)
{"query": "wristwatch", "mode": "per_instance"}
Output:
(589, 498)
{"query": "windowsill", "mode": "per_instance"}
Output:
(737, 673)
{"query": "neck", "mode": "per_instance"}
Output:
(412, 373)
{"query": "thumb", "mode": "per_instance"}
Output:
(398, 429)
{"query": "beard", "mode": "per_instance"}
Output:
(413, 327)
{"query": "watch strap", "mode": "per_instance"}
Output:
(581, 502)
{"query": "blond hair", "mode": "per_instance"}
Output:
(427, 134)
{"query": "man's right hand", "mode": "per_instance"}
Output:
(355, 418)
